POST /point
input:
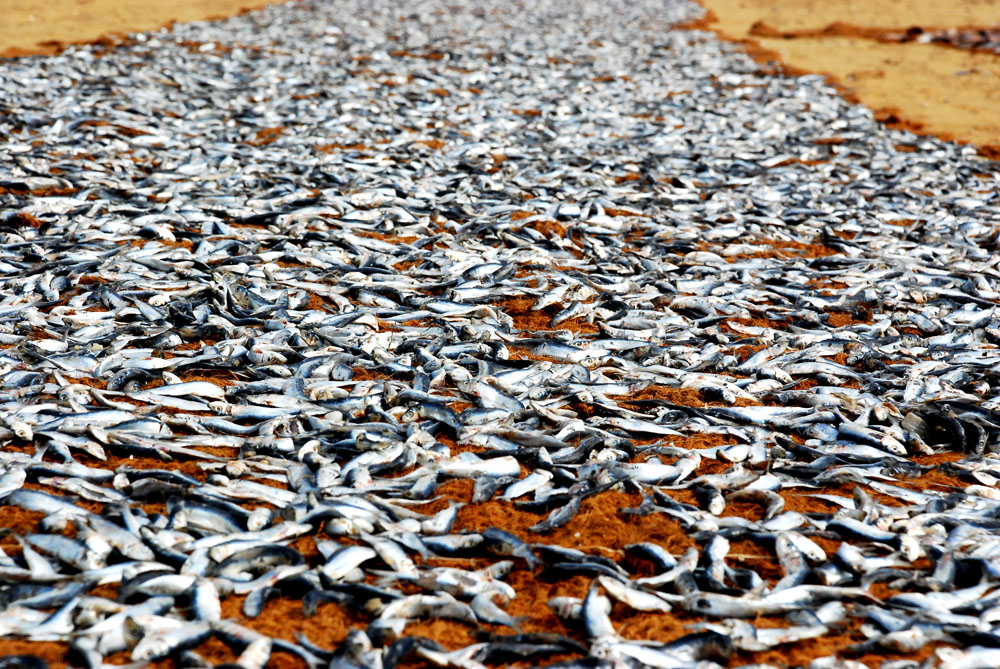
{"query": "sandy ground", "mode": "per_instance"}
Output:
(43, 26)
(805, 14)
(929, 88)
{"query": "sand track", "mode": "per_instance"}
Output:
(33, 26)
(926, 88)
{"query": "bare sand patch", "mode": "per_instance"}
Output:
(927, 88)
(33, 26)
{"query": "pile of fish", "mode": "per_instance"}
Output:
(290, 301)
(975, 39)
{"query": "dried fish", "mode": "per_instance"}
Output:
(442, 313)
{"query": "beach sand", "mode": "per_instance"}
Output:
(928, 88)
(33, 26)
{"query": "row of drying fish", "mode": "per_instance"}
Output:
(986, 38)
(270, 283)
(205, 546)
